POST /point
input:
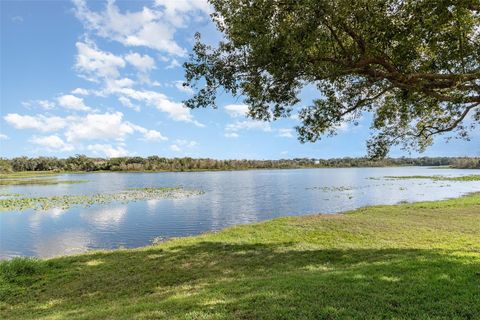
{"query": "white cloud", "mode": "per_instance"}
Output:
(80, 92)
(175, 148)
(173, 64)
(144, 63)
(179, 85)
(93, 63)
(44, 104)
(248, 125)
(236, 110)
(231, 135)
(106, 126)
(52, 143)
(154, 135)
(72, 102)
(3, 136)
(127, 103)
(285, 132)
(177, 9)
(176, 111)
(108, 150)
(99, 127)
(180, 144)
(38, 122)
(186, 143)
(149, 27)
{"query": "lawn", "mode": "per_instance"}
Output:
(409, 261)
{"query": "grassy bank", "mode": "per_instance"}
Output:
(409, 261)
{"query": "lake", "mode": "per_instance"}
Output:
(231, 197)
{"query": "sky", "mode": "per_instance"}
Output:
(103, 78)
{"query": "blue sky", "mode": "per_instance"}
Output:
(102, 79)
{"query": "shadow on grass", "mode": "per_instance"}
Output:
(213, 280)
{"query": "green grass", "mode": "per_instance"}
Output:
(409, 261)
(21, 182)
(28, 174)
(439, 178)
(67, 201)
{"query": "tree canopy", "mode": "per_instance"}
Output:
(414, 64)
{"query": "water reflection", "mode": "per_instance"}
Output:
(65, 242)
(230, 198)
(105, 218)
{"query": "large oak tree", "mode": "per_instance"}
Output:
(414, 64)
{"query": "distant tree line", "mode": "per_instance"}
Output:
(156, 163)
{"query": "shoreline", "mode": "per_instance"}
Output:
(27, 174)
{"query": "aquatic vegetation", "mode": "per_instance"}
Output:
(67, 201)
(332, 189)
(342, 188)
(436, 178)
(8, 182)
(10, 194)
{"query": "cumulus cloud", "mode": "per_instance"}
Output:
(52, 143)
(106, 126)
(108, 150)
(175, 110)
(3, 136)
(44, 104)
(180, 7)
(285, 132)
(144, 63)
(154, 135)
(38, 122)
(151, 135)
(99, 127)
(72, 102)
(80, 92)
(150, 27)
(248, 125)
(236, 110)
(127, 103)
(94, 63)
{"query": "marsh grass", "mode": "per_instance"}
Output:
(409, 261)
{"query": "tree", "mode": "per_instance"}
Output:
(414, 64)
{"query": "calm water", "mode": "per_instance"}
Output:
(230, 198)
